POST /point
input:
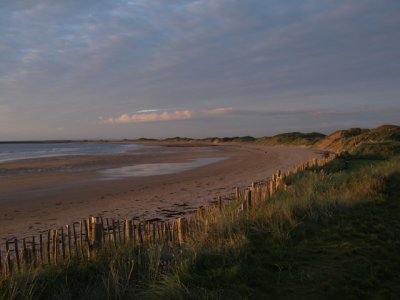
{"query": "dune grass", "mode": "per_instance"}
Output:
(335, 233)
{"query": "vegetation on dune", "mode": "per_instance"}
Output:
(335, 234)
(212, 139)
(292, 138)
(382, 141)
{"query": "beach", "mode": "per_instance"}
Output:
(44, 193)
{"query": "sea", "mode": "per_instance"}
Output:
(19, 151)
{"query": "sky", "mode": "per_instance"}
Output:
(155, 68)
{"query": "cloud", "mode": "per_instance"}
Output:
(152, 115)
(147, 110)
(218, 111)
(77, 60)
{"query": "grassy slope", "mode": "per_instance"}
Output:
(346, 250)
(384, 140)
(292, 138)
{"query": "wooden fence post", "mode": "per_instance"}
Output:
(55, 246)
(69, 241)
(119, 231)
(108, 233)
(34, 258)
(81, 239)
(180, 230)
(9, 261)
(87, 238)
(17, 254)
(271, 188)
(103, 232)
(124, 231)
(135, 233)
(97, 232)
(114, 233)
(41, 249)
(24, 256)
(48, 246)
(140, 233)
(62, 242)
(75, 240)
(249, 204)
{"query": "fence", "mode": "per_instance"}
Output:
(83, 240)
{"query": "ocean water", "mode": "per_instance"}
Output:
(19, 151)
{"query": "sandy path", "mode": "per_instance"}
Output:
(41, 194)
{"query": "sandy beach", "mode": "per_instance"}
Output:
(40, 194)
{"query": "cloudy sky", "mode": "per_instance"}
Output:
(157, 68)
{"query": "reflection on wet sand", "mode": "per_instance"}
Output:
(142, 170)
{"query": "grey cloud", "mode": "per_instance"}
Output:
(82, 59)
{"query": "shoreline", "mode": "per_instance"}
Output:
(58, 191)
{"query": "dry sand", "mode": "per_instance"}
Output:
(40, 194)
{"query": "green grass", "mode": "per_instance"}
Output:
(335, 233)
(292, 138)
(344, 245)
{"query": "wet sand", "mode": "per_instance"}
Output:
(40, 194)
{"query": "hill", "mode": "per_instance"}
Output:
(292, 138)
(383, 140)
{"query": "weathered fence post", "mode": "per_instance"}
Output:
(103, 232)
(249, 204)
(119, 232)
(24, 253)
(179, 230)
(140, 233)
(34, 258)
(9, 261)
(48, 246)
(62, 243)
(108, 233)
(75, 240)
(55, 245)
(81, 239)
(87, 233)
(41, 249)
(237, 193)
(114, 233)
(97, 234)
(69, 241)
(17, 254)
